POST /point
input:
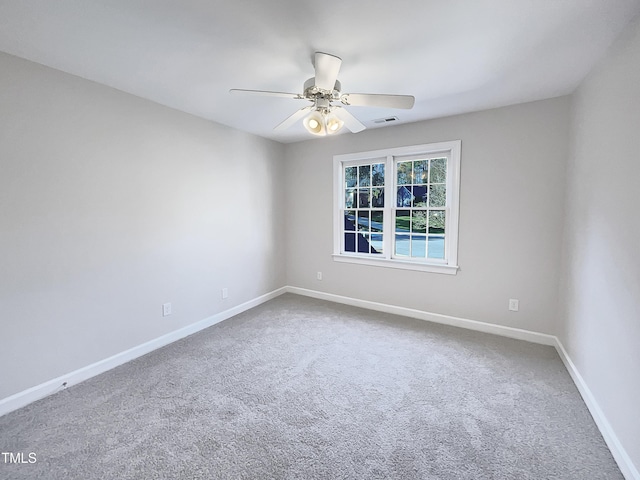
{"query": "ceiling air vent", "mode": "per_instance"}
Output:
(386, 120)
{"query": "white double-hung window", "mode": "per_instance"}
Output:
(398, 207)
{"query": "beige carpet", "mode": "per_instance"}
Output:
(305, 389)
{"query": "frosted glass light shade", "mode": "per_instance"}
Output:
(334, 124)
(315, 123)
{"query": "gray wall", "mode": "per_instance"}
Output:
(110, 206)
(601, 287)
(511, 213)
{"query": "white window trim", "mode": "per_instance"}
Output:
(452, 149)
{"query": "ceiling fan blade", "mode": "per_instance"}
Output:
(351, 122)
(265, 93)
(293, 118)
(327, 68)
(375, 100)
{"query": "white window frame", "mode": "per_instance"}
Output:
(390, 157)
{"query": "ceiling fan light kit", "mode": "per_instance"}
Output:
(323, 118)
(322, 123)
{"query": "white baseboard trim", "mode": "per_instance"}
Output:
(517, 333)
(30, 395)
(617, 450)
(620, 455)
(24, 398)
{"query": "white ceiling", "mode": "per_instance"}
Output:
(454, 56)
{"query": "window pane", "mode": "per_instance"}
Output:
(436, 247)
(404, 173)
(403, 220)
(421, 171)
(437, 195)
(349, 220)
(350, 176)
(402, 245)
(363, 243)
(404, 197)
(418, 246)
(350, 198)
(378, 174)
(419, 221)
(420, 196)
(364, 197)
(364, 175)
(438, 170)
(377, 197)
(376, 221)
(436, 221)
(363, 220)
(349, 242)
(376, 243)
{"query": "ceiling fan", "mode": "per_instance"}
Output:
(322, 117)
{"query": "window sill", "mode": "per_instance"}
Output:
(383, 262)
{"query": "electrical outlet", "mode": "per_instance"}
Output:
(166, 309)
(514, 304)
(225, 292)
(319, 275)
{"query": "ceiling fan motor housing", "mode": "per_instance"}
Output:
(311, 91)
(322, 104)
